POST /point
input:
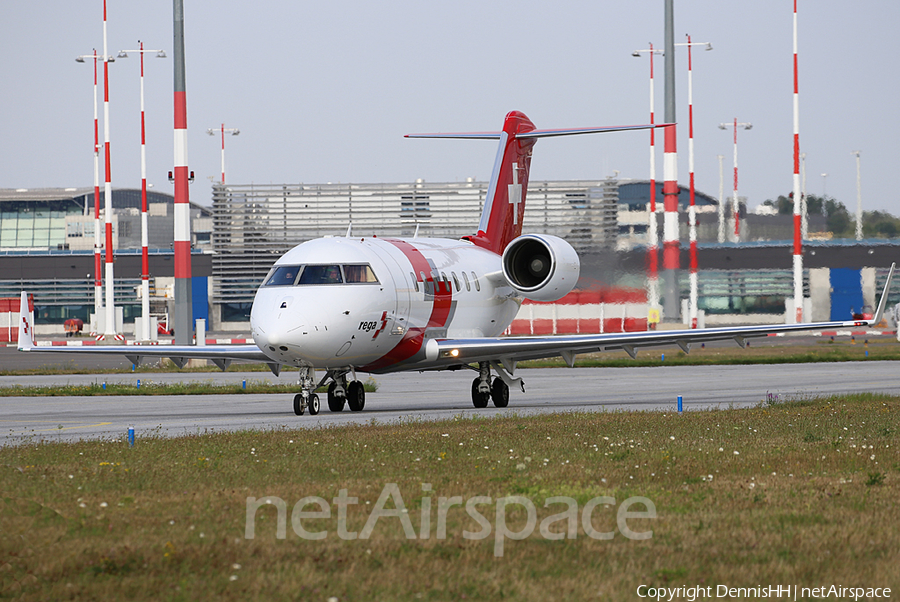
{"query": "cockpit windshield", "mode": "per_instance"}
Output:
(282, 275)
(298, 275)
(321, 274)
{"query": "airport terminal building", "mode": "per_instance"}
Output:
(46, 244)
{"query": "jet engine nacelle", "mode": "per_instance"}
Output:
(541, 267)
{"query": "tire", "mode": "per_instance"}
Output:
(356, 396)
(479, 400)
(335, 403)
(298, 404)
(313, 404)
(500, 393)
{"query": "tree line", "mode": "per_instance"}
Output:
(838, 220)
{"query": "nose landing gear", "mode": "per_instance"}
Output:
(306, 399)
(340, 392)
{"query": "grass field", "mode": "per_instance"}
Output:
(802, 493)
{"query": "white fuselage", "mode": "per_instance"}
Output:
(317, 308)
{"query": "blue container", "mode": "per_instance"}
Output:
(131, 436)
(680, 407)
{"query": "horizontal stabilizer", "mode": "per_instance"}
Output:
(542, 133)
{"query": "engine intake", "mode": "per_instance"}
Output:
(541, 267)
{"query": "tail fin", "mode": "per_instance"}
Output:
(26, 328)
(504, 206)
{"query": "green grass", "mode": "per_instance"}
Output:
(787, 492)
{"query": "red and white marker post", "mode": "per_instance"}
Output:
(692, 211)
(223, 130)
(798, 225)
(653, 227)
(110, 330)
(183, 293)
(144, 335)
(98, 240)
(735, 206)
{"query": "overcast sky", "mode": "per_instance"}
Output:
(324, 91)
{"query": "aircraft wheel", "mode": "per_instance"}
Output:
(313, 404)
(356, 396)
(298, 404)
(335, 403)
(500, 393)
(479, 400)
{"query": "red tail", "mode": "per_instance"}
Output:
(504, 206)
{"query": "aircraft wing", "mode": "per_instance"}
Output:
(509, 350)
(221, 355)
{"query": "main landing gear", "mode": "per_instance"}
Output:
(498, 391)
(340, 392)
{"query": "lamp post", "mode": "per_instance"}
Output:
(859, 225)
(652, 250)
(223, 130)
(734, 202)
(145, 236)
(692, 211)
(98, 241)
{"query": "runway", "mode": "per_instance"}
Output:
(421, 396)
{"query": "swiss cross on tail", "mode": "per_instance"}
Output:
(504, 204)
(515, 193)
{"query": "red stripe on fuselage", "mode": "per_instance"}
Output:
(414, 337)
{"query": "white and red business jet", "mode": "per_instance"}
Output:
(378, 305)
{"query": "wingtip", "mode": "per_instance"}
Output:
(26, 330)
(882, 303)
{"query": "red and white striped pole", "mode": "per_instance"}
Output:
(98, 240)
(671, 244)
(734, 199)
(183, 294)
(692, 211)
(223, 130)
(110, 331)
(798, 225)
(145, 234)
(653, 246)
(144, 335)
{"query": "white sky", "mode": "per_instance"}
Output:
(324, 91)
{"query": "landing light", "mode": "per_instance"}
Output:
(450, 353)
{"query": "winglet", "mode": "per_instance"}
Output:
(26, 330)
(882, 303)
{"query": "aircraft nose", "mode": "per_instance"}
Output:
(272, 321)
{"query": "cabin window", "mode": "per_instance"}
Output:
(282, 275)
(455, 280)
(321, 274)
(475, 280)
(426, 283)
(359, 274)
(446, 281)
(414, 281)
(466, 280)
